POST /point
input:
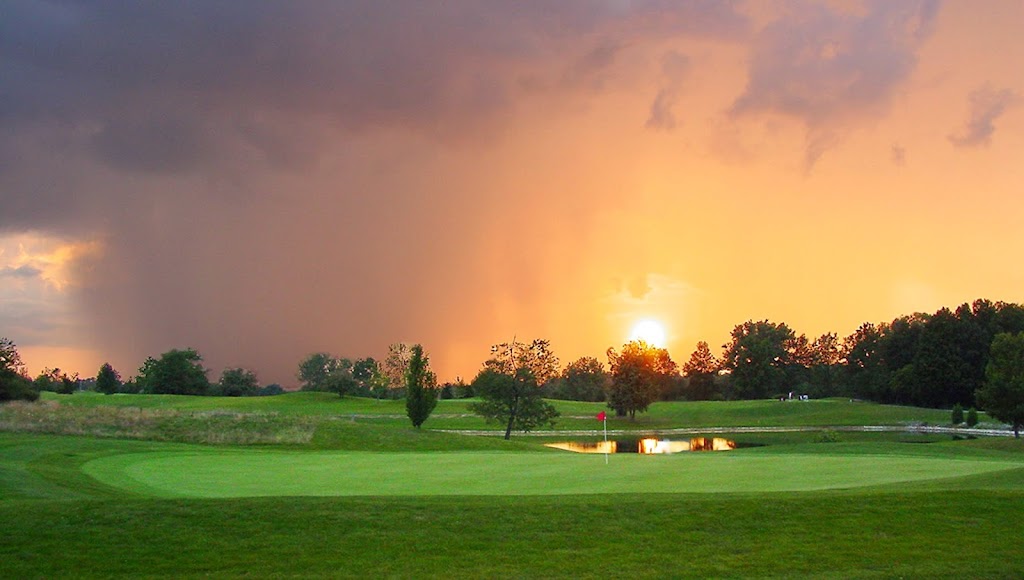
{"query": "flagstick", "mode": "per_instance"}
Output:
(605, 439)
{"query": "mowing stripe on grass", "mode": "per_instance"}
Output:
(249, 473)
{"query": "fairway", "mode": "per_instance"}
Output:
(252, 473)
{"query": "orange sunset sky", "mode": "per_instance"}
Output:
(264, 180)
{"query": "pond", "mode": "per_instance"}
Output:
(647, 445)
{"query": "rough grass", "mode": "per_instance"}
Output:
(455, 414)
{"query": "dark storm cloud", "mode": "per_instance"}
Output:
(826, 67)
(265, 177)
(212, 86)
(987, 105)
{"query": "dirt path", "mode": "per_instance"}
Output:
(976, 432)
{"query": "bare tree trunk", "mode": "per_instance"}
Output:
(512, 418)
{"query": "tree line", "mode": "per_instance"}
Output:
(937, 360)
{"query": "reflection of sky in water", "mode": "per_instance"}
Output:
(647, 446)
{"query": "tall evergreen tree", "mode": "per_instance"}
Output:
(700, 372)
(108, 381)
(420, 388)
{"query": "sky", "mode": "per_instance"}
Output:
(263, 180)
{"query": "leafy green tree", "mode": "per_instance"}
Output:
(582, 380)
(315, 371)
(758, 356)
(14, 385)
(396, 364)
(108, 381)
(828, 353)
(1002, 396)
(639, 375)
(700, 372)
(514, 400)
(420, 388)
(939, 372)
(341, 380)
(866, 373)
(957, 415)
(176, 372)
(238, 382)
(56, 381)
(537, 356)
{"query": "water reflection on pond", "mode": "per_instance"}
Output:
(648, 446)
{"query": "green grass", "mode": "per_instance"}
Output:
(810, 535)
(455, 414)
(365, 495)
(247, 473)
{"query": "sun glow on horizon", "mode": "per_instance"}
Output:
(650, 331)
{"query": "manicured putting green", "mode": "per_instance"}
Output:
(248, 473)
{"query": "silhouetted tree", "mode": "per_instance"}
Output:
(1002, 396)
(108, 381)
(828, 354)
(238, 382)
(758, 356)
(639, 374)
(14, 385)
(420, 388)
(582, 380)
(56, 381)
(700, 372)
(176, 372)
(867, 374)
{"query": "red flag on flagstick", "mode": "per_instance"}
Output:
(601, 416)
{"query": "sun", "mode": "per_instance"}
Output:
(650, 331)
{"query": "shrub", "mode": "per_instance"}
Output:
(972, 417)
(271, 390)
(828, 436)
(15, 387)
(958, 414)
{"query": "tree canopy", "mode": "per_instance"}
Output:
(700, 371)
(582, 380)
(1002, 396)
(537, 356)
(238, 382)
(639, 374)
(108, 381)
(757, 356)
(512, 399)
(176, 372)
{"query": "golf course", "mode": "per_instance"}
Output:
(310, 484)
